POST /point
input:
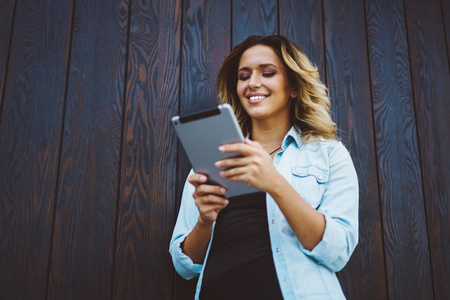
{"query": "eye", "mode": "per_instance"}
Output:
(244, 77)
(268, 74)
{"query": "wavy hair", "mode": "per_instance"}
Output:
(310, 110)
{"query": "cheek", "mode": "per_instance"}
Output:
(240, 89)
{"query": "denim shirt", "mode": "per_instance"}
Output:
(322, 172)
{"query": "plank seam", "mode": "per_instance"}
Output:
(418, 149)
(231, 25)
(119, 180)
(324, 61)
(445, 34)
(278, 17)
(61, 138)
(375, 148)
(8, 55)
(177, 178)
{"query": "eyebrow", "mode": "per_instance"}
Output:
(260, 66)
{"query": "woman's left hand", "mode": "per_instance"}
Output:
(255, 167)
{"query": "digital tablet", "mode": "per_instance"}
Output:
(201, 134)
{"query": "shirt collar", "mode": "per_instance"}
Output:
(293, 136)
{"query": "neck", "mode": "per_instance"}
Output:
(269, 134)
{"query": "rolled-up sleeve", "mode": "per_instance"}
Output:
(187, 218)
(339, 205)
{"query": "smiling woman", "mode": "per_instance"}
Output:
(310, 104)
(263, 85)
(287, 240)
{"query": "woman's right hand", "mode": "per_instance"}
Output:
(210, 199)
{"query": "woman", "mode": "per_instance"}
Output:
(288, 240)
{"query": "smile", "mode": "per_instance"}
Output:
(256, 97)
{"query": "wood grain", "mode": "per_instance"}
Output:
(206, 41)
(149, 171)
(121, 173)
(431, 86)
(348, 81)
(29, 144)
(82, 253)
(6, 17)
(405, 235)
(258, 17)
(446, 15)
(302, 23)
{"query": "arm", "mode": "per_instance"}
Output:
(190, 239)
(256, 168)
(307, 223)
(209, 200)
(330, 234)
(339, 205)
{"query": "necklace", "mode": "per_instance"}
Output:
(275, 150)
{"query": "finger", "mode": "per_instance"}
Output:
(232, 162)
(240, 148)
(240, 177)
(211, 201)
(205, 189)
(233, 172)
(253, 144)
(196, 179)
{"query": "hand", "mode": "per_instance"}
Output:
(255, 167)
(210, 199)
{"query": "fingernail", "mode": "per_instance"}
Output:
(218, 163)
(222, 190)
(203, 178)
(221, 148)
(222, 173)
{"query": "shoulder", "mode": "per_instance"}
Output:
(322, 145)
(321, 153)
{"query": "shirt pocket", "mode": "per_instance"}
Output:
(309, 182)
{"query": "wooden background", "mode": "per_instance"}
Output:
(91, 170)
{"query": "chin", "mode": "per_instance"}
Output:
(257, 114)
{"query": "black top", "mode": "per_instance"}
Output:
(240, 263)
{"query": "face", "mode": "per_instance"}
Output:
(263, 85)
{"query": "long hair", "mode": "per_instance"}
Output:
(310, 110)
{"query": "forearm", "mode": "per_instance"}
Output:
(307, 223)
(196, 243)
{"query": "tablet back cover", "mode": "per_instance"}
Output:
(201, 134)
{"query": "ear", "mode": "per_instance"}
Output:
(294, 93)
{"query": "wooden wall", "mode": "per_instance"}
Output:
(91, 171)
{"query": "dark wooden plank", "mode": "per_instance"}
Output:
(431, 86)
(446, 16)
(301, 22)
(348, 82)
(258, 17)
(82, 250)
(206, 41)
(147, 203)
(6, 17)
(29, 144)
(405, 235)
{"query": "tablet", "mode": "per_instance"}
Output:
(201, 134)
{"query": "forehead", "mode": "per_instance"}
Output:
(259, 55)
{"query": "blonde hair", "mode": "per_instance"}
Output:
(310, 111)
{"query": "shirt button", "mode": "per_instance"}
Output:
(320, 177)
(277, 250)
(284, 279)
(273, 221)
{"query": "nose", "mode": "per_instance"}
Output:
(254, 81)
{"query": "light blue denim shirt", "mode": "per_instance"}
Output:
(322, 172)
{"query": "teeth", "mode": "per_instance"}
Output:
(256, 97)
